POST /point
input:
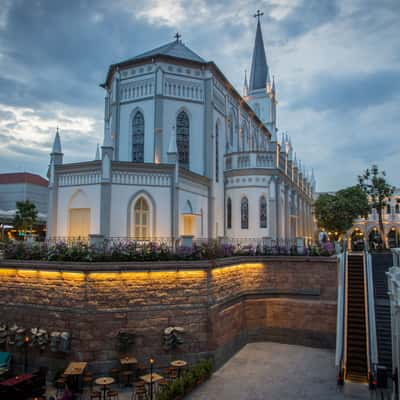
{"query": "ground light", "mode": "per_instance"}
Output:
(26, 344)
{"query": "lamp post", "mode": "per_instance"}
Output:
(26, 343)
(151, 377)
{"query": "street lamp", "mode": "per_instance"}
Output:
(26, 343)
(151, 377)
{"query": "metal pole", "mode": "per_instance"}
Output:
(151, 381)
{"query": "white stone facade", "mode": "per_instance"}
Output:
(178, 136)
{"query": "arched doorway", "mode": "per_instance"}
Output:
(357, 240)
(393, 238)
(375, 240)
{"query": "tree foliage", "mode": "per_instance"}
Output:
(337, 212)
(25, 216)
(374, 184)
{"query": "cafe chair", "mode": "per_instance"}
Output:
(139, 392)
(127, 377)
(112, 395)
(60, 386)
(115, 373)
(95, 395)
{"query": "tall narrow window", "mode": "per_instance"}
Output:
(244, 213)
(182, 138)
(141, 219)
(216, 153)
(263, 212)
(229, 213)
(138, 137)
(397, 208)
(388, 209)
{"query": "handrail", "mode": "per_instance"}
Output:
(340, 319)
(396, 257)
(370, 298)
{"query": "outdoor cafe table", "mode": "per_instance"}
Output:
(151, 379)
(128, 360)
(179, 364)
(75, 370)
(104, 381)
(16, 380)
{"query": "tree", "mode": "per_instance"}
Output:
(337, 212)
(26, 216)
(374, 184)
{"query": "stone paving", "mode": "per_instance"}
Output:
(276, 371)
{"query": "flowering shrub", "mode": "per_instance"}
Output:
(128, 250)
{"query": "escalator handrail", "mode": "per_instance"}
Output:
(371, 322)
(341, 315)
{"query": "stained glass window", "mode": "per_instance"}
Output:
(263, 212)
(244, 213)
(141, 218)
(229, 213)
(138, 137)
(182, 138)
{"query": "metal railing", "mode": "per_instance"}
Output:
(341, 306)
(371, 323)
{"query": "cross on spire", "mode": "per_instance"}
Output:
(177, 36)
(258, 14)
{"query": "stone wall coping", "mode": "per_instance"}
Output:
(120, 266)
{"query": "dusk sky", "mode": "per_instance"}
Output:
(336, 65)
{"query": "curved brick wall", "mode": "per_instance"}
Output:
(221, 304)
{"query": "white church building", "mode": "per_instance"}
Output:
(184, 154)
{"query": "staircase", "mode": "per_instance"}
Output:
(381, 262)
(356, 357)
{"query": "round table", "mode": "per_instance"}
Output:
(104, 381)
(179, 364)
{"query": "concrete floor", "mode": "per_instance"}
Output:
(276, 371)
(273, 371)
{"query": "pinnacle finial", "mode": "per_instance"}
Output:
(258, 14)
(177, 37)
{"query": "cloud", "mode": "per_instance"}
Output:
(337, 67)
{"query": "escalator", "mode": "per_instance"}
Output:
(381, 263)
(356, 365)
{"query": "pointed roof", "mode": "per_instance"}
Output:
(57, 144)
(173, 49)
(259, 66)
(97, 156)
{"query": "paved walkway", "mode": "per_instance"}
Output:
(276, 371)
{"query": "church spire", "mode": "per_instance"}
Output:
(259, 66)
(57, 144)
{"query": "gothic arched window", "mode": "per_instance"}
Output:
(229, 213)
(138, 137)
(397, 208)
(216, 152)
(263, 212)
(182, 138)
(141, 219)
(388, 209)
(244, 213)
(231, 129)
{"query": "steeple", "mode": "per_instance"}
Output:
(97, 156)
(57, 144)
(259, 66)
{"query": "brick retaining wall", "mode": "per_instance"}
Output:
(221, 304)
